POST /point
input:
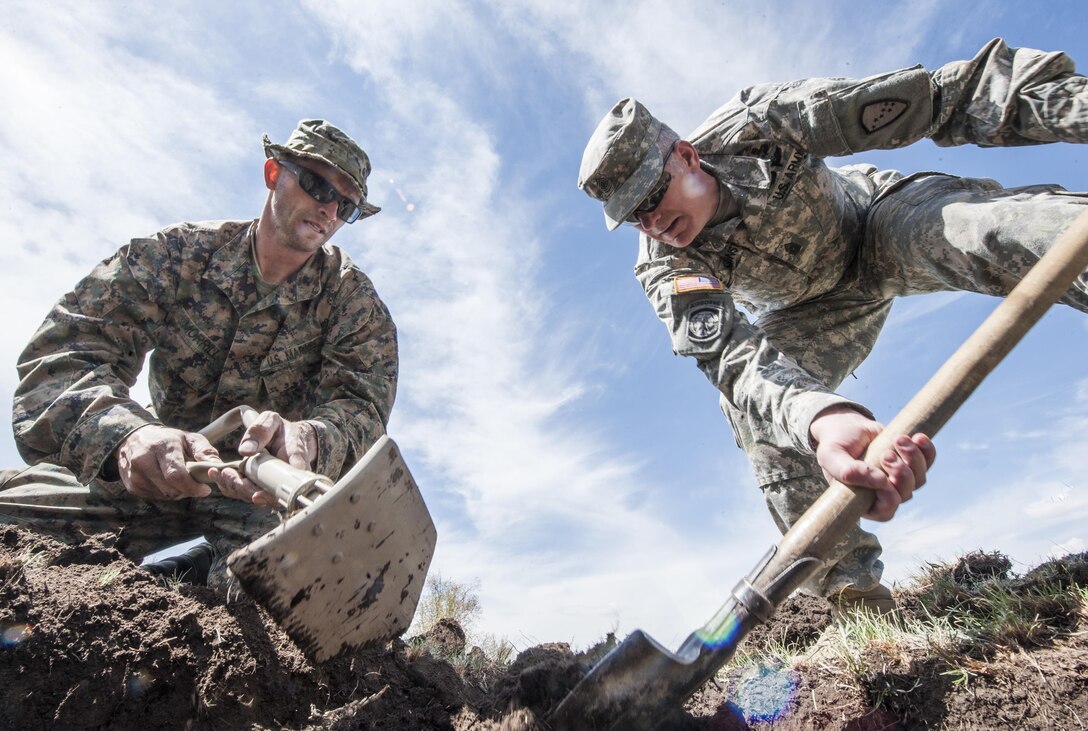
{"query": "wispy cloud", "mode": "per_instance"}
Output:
(1030, 512)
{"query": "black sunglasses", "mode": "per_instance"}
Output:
(323, 191)
(653, 200)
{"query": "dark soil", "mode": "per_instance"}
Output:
(91, 641)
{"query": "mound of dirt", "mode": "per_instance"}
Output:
(91, 641)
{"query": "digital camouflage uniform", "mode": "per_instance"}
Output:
(817, 254)
(319, 347)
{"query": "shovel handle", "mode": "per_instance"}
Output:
(827, 520)
(238, 416)
(292, 487)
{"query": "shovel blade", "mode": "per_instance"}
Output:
(349, 569)
(640, 684)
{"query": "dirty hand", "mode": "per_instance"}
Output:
(151, 461)
(295, 442)
(841, 435)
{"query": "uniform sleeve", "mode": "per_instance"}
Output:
(1002, 97)
(358, 381)
(72, 405)
(1011, 96)
(733, 354)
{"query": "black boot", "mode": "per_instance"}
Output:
(190, 567)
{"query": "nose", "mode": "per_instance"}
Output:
(649, 219)
(329, 209)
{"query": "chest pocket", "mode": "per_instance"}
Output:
(788, 246)
(292, 367)
(184, 366)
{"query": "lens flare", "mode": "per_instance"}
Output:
(723, 634)
(15, 634)
(137, 683)
(408, 205)
(766, 695)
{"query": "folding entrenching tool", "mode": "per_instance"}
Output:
(347, 566)
(640, 683)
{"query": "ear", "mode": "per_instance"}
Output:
(271, 173)
(686, 152)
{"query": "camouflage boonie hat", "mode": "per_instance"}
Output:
(623, 159)
(316, 139)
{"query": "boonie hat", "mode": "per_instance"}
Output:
(316, 139)
(623, 159)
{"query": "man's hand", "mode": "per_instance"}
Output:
(841, 435)
(295, 442)
(151, 461)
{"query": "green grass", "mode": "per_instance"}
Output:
(956, 618)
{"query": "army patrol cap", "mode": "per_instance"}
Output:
(624, 159)
(316, 139)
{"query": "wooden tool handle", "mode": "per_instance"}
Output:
(827, 520)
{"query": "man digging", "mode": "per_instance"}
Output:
(262, 312)
(745, 210)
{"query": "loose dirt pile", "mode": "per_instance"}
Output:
(91, 641)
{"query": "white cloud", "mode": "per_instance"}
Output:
(100, 145)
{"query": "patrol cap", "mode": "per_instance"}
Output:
(624, 159)
(316, 139)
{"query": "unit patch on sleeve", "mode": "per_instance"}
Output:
(696, 284)
(705, 321)
(882, 113)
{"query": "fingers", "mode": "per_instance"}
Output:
(151, 462)
(233, 484)
(300, 446)
(885, 503)
(266, 432)
(295, 442)
(905, 465)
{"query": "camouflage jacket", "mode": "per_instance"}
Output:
(800, 223)
(321, 347)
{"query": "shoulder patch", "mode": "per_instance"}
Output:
(880, 114)
(696, 284)
(705, 320)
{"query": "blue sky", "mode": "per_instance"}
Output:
(576, 469)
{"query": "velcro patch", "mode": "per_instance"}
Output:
(696, 284)
(705, 321)
(882, 113)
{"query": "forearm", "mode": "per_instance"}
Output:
(72, 404)
(762, 383)
(733, 354)
(344, 432)
(70, 413)
(357, 387)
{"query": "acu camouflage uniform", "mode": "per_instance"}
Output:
(817, 254)
(319, 347)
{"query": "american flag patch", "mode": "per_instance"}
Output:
(696, 284)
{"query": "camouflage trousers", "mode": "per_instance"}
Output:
(931, 233)
(50, 499)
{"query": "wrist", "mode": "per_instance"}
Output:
(819, 422)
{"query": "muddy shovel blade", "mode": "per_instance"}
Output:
(348, 569)
(639, 683)
(629, 683)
